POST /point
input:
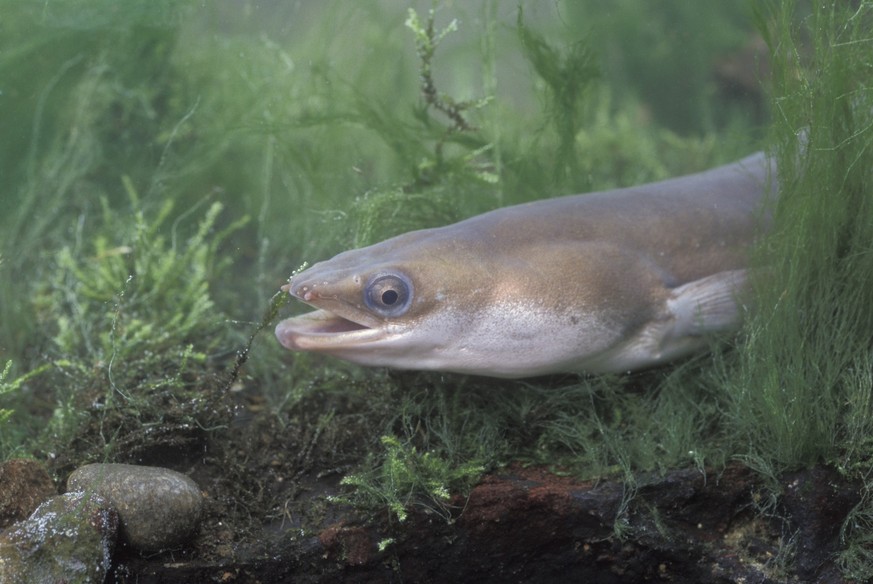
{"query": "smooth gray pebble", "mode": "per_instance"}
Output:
(157, 507)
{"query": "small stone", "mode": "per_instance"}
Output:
(157, 507)
(69, 538)
(24, 484)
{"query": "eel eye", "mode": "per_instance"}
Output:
(388, 294)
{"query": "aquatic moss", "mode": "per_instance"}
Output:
(406, 478)
(133, 326)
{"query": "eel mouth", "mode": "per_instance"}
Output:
(323, 330)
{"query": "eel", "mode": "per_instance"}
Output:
(604, 282)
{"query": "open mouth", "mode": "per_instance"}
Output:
(323, 330)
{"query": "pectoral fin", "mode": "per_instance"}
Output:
(706, 305)
(690, 312)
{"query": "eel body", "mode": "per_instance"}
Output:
(610, 281)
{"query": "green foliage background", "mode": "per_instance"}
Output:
(123, 127)
(166, 165)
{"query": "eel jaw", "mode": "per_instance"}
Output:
(322, 330)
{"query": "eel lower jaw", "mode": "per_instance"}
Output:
(322, 330)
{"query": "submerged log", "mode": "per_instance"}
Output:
(529, 525)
